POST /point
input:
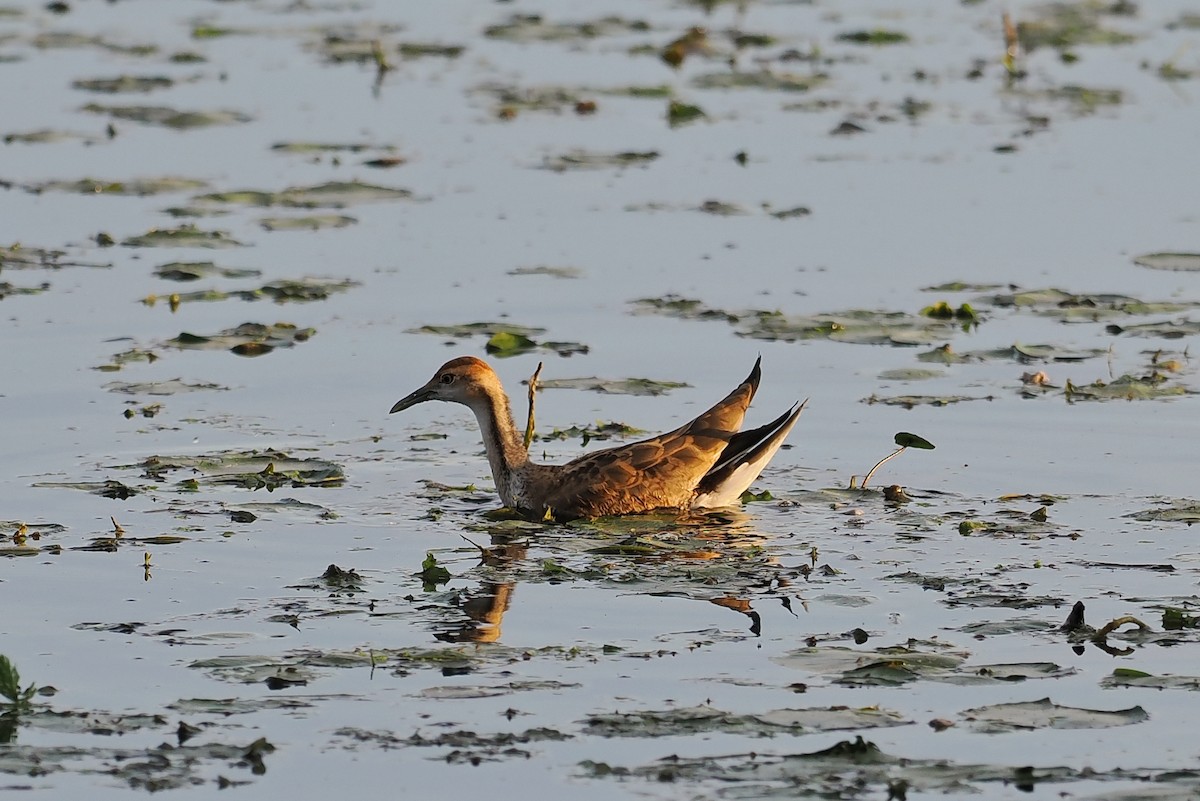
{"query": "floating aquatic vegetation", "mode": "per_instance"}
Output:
(7, 289)
(138, 186)
(477, 329)
(705, 719)
(52, 40)
(42, 136)
(124, 83)
(910, 374)
(504, 344)
(173, 386)
(1167, 329)
(877, 36)
(110, 488)
(612, 386)
(312, 222)
(1179, 262)
(764, 79)
(594, 160)
(1127, 387)
(333, 194)
(303, 290)
(1180, 511)
(19, 257)
(169, 117)
(545, 269)
(599, 431)
(1045, 714)
(248, 339)
(194, 270)
(1065, 25)
(1081, 306)
(251, 469)
(184, 236)
(680, 113)
(535, 28)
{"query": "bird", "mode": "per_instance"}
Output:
(706, 463)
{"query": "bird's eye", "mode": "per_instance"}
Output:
(447, 378)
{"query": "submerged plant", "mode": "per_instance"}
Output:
(905, 440)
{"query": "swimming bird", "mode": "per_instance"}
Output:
(706, 463)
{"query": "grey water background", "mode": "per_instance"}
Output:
(907, 204)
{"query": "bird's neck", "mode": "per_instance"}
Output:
(504, 444)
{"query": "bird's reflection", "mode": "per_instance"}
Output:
(727, 534)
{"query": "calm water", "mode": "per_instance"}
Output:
(1047, 181)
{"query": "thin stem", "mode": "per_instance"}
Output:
(892, 455)
(532, 394)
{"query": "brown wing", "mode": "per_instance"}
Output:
(657, 472)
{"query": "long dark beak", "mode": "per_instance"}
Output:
(420, 396)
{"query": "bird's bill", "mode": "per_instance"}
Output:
(420, 396)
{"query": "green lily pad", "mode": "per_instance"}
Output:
(907, 440)
(185, 236)
(503, 344)
(169, 117)
(596, 160)
(1045, 714)
(679, 113)
(248, 339)
(312, 222)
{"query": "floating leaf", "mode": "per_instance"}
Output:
(764, 79)
(195, 270)
(594, 160)
(312, 222)
(169, 117)
(172, 386)
(1044, 714)
(138, 187)
(679, 113)
(1127, 387)
(1181, 262)
(610, 386)
(246, 339)
(333, 194)
(911, 401)
(504, 344)
(124, 83)
(185, 236)
(877, 36)
(535, 28)
(906, 440)
(542, 269)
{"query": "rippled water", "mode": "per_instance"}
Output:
(1059, 178)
